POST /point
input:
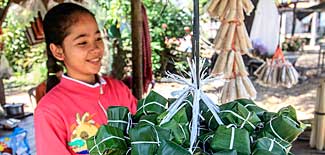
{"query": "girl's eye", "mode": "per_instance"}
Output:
(82, 43)
(99, 39)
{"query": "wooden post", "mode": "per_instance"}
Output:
(313, 135)
(2, 93)
(320, 134)
(137, 53)
(196, 41)
(294, 19)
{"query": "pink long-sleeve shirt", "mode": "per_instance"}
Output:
(73, 111)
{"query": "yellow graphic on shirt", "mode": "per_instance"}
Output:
(81, 131)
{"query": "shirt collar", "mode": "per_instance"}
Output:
(101, 81)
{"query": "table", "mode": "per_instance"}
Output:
(27, 124)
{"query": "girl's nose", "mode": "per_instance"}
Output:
(96, 47)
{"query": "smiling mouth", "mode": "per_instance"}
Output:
(95, 61)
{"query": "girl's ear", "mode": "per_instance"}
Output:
(57, 51)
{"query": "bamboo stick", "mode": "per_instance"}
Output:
(237, 45)
(221, 7)
(321, 119)
(263, 70)
(240, 87)
(267, 72)
(283, 74)
(248, 40)
(241, 66)
(275, 75)
(232, 90)
(224, 14)
(249, 87)
(240, 12)
(259, 70)
(248, 6)
(225, 92)
(229, 66)
(230, 36)
(219, 67)
(221, 35)
(290, 75)
(241, 37)
(231, 16)
(212, 8)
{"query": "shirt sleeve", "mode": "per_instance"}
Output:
(50, 134)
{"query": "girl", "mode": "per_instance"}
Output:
(75, 108)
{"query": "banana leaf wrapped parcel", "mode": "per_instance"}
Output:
(146, 139)
(180, 132)
(118, 117)
(108, 140)
(229, 138)
(251, 106)
(285, 126)
(154, 103)
(267, 146)
(235, 113)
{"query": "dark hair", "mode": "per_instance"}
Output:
(57, 23)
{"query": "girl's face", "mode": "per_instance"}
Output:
(83, 49)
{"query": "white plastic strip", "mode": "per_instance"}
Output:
(272, 145)
(195, 119)
(183, 131)
(96, 147)
(231, 145)
(238, 116)
(102, 141)
(117, 121)
(244, 122)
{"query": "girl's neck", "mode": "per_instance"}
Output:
(90, 79)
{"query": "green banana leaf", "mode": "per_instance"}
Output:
(145, 139)
(180, 132)
(148, 120)
(251, 106)
(226, 152)
(108, 140)
(154, 103)
(229, 112)
(265, 134)
(262, 152)
(205, 142)
(267, 116)
(285, 126)
(288, 111)
(118, 117)
(222, 140)
(171, 148)
(210, 121)
(267, 146)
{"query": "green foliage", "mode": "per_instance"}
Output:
(20, 54)
(174, 21)
(3, 3)
(159, 13)
(293, 44)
